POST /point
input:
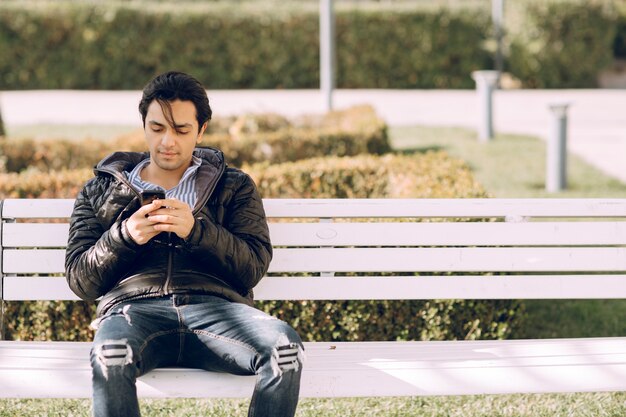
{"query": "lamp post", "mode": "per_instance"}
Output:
(556, 152)
(497, 16)
(486, 82)
(327, 53)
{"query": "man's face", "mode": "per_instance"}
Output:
(171, 147)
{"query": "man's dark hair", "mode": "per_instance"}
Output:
(173, 85)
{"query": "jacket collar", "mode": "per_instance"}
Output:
(207, 177)
(117, 162)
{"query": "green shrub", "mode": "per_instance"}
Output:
(619, 45)
(37, 184)
(48, 320)
(562, 44)
(436, 49)
(17, 155)
(89, 45)
(430, 175)
(342, 133)
(120, 45)
(246, 139)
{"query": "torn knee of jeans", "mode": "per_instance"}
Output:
(288, 357)
(112, 353)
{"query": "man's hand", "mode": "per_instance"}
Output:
(167, 215)
(171, 215)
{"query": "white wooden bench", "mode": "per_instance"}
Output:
(543, 248)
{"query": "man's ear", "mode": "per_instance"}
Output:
(202, 129)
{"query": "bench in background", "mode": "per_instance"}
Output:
(540, 249)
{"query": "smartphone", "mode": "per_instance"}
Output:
(148, 196)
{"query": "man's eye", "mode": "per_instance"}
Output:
(183, 132)
(157, 129)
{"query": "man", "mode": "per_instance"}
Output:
(175, 275)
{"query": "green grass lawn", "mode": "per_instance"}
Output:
(510, 166)
(528, 405)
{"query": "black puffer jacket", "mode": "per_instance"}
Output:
(227, 252)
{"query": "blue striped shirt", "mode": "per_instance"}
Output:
(184, 191)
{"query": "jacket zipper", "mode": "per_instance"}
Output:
(170, 259)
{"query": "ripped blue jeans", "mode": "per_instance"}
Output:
(194, 331)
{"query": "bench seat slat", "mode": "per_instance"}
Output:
(44, 369)
(382, 234)
(387, 260)
(382, 288)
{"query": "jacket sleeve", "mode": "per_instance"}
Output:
(239, 250)
(96, 258)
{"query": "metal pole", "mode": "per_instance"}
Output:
(327, 52)
(556, 155)
(497, 15)
(485, 84)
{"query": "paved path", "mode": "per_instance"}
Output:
(597, 118)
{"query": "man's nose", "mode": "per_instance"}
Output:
(168, 138)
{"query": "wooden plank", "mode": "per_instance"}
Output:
(35, 261)
(443, 207)
(61, 369)
(609, 259)
(382, 288)
(37, 288)
(443, 287)
(17, 235)
(45, 208)
(43, 235)
(448, 234)
(449, 259)
(580, 207)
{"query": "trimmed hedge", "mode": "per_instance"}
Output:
(248, 138)
(64, 45)
(563, 45)
(619, 44)
(120, 45)
(430, 175)
(37, 184)
(253, 138)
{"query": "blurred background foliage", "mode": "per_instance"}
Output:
(231, 44)
(360, 165)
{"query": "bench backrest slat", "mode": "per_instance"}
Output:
(29, 235)
(329, 208)
(568, 241)
(443, 207)
(51, 261)
(392, 288)
(31, 208)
